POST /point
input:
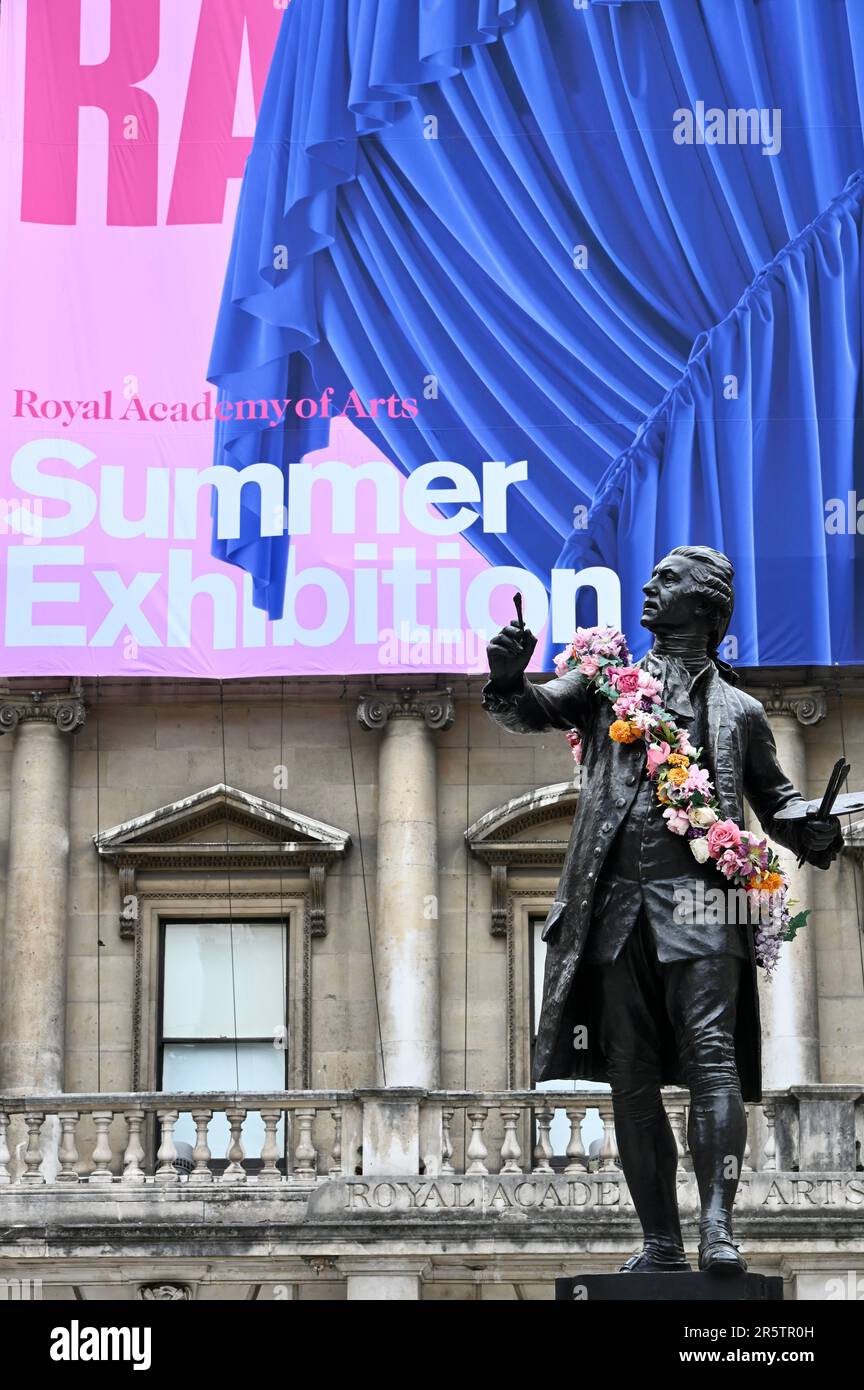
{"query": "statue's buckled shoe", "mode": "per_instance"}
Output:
(718, 1253)
(657, 1259)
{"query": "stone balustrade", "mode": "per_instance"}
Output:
(308, 1138)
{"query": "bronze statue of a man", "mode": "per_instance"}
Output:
(659, 1000)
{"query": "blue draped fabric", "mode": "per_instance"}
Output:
(546, 263)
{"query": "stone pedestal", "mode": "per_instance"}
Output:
(789, 1003)
(33, 975)
(669, 1288)
(406, 911)
(385, 1279)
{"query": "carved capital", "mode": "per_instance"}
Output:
(434, 707)
(66, 710)
(807, 706)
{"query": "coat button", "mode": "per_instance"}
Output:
(584, 904)
(606, 827)
(598, 849)
(621, 802)
(590, 874)
(631, 780)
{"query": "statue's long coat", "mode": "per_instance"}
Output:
(741, 757)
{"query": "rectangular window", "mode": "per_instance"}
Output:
(224, 1017)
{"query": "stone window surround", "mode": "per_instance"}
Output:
(524, 874)
(281, 875)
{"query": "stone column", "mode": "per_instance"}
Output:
(33, 974)
(789, 1001)
(406, 913)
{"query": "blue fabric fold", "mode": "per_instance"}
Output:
(366, 255)
(757, 451)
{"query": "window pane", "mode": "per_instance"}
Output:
(213, 968)
(212, 1067)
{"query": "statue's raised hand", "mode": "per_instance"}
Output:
(509, 653)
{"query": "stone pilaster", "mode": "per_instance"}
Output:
(32, 1005)
(789, 1002)
(406, 916)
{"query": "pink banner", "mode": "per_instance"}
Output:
(126, 128)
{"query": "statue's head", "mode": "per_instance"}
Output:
(691, 588)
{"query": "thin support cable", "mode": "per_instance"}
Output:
(98, 895)
(228, 873)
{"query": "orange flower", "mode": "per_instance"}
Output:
(677, 775)
(625, 731)
(768, 883)
(678, 760)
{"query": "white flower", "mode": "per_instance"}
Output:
(702, 816)
(700, 849)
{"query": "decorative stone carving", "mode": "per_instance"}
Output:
(165, 1293)
(435, 707)
(807, 706)
(66, 710)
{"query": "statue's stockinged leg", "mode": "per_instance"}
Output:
(631, 1000)
(702, 998)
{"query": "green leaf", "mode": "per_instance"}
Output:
(796, 923)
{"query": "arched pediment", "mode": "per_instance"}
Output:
(529, 831)
(526, 827)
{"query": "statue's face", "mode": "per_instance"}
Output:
(672, 598)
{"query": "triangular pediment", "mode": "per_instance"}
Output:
(222, 814)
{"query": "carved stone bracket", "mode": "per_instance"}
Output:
(807, 706)
(317, 915)
(66, 710)
(500, 903)
(435, 707)
(165, 1293)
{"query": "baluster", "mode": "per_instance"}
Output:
(270, 1148)
(543, 1148)
(166, 1173)
(608, 1146)
(102, 1155)
(770, 1151)
(447, 1113)
(33, 1119)
(677, 1121)
(235, 1172)
(5, 1156)
(511, 1150)
(336, 1150)
(305, 1154)
(575, 1150)
(745, 1162)
(133, 1157)
(67, 1153)
(201, 1171)
(477, 1150)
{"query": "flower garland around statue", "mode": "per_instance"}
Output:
(601, 658)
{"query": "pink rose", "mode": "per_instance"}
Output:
(625, 678)
(724, 834)
(649, 687)
(698, 781)
(657, 754)
(729, 863)
(589, 666)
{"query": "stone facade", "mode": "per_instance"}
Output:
(343, 807)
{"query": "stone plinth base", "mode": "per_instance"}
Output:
(669, 1288)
